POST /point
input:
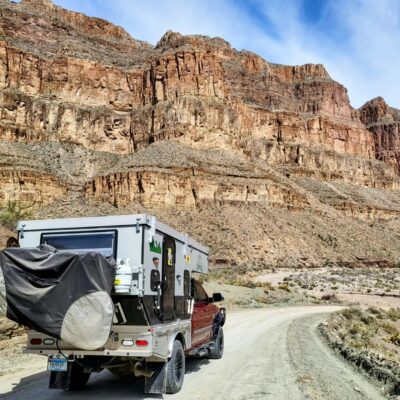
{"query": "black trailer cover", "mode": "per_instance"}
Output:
(64, 295)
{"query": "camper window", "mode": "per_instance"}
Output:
(101, 242)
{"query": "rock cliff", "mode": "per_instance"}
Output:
(218, 142)
(384, 123)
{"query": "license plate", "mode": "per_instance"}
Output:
(57, 364)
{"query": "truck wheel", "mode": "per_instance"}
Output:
(78, 378)
(217, 350)
(176, 368)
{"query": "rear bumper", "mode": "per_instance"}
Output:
(116, 345)
(159, 342)
(105, 352)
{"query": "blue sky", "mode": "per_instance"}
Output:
(357, 40)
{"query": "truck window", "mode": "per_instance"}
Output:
(101, 242)
(199, 293)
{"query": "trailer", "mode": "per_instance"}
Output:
(160, 315)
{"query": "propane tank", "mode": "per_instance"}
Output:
(123, 277)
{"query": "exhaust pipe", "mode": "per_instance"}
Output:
(139, 370)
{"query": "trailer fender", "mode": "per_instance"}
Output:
(171, 340)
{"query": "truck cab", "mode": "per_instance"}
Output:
(204, 315)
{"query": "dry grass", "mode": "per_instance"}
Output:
(374, 330)
(367, 280)
(369, 338)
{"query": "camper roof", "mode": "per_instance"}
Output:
(104, 222)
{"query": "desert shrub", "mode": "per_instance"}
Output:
(238, 281)
(393, 314)
(12, 213)
(356, 328)
(266, 285)
(262, 300)
(378, 313)
(390, 329)
(367, 319)
(352, 312)
(394, 338)
(284, 286)
(330, 297)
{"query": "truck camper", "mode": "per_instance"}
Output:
(113, 292)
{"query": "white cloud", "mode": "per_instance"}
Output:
(358, 41)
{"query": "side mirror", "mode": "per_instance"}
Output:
(216, 297)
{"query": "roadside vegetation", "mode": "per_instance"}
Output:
(367, 280)
(371, 285)
(12, 213)
(241, 290)
(370, 339)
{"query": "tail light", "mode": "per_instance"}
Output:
(142, 343)
(36, 341)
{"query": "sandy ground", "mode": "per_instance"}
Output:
(269, 354)
(278, 276)
(370, 300)
(371, 287)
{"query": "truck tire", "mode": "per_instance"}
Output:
(176, 368)
(217, 350)
(78, 378)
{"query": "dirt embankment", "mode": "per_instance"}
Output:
(369, 339)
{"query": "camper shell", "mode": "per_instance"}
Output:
(153, 291)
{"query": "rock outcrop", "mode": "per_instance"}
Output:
(72, 93)
(30, 188)
(384, 123)
(190, 127)
(187, 189)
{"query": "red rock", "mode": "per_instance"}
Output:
(384, 123)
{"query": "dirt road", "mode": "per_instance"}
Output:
(269, 354)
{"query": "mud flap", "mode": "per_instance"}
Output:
(61, 380)
(158, 382)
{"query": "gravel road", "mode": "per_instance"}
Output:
(269, 354)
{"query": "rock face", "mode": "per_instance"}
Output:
(182, 190)
(189, 126)
(30, 188)
(384, 123)
(179, 89)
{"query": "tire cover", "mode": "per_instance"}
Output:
(87, 323)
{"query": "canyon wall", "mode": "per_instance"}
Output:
(95, 121)
(384, 123)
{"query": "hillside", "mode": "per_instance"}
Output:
(267, 164)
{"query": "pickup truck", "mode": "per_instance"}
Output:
(207, 340)
(116, 293)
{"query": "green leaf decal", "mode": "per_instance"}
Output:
(155, 247)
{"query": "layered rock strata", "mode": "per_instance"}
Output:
(384, 123)
(192, 128)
